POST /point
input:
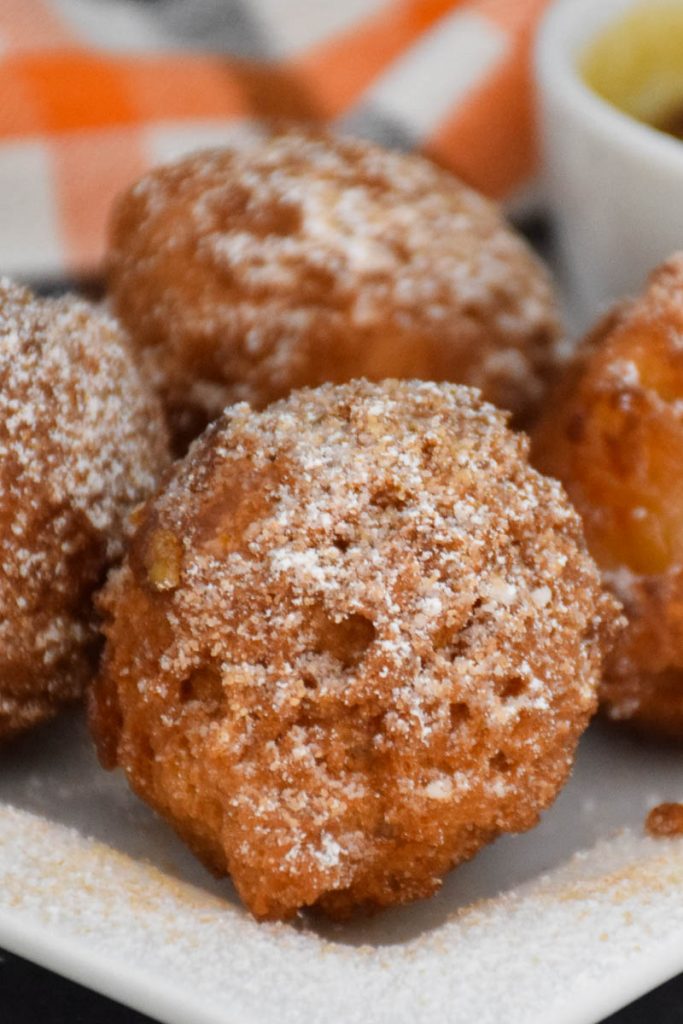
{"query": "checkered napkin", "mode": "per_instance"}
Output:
(93, 92)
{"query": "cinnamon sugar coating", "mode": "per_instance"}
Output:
(299, 259)
(613, 434)
(356, 638)
(81, 442)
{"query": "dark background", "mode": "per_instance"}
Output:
(31, 995)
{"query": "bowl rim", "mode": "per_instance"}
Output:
(566, 29)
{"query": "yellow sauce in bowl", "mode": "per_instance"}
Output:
(637, 64)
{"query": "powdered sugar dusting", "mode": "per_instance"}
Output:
(613, 433)
(591, 927)
(380, 608)
(299, 259)
(81, 442)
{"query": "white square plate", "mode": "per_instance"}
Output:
(531, 931)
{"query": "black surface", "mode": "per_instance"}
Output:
(31, 995)
(663, 1006)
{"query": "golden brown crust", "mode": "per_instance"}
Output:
(665, 821)
(356, 638)
(81, 441)
(613, 434)
(302, 259)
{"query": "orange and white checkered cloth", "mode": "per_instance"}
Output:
(92, 92)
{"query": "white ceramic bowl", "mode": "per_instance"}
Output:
(614, 183)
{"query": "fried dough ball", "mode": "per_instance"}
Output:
(613, 434)
(81, 442)
(356, 638)
(300, 259)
